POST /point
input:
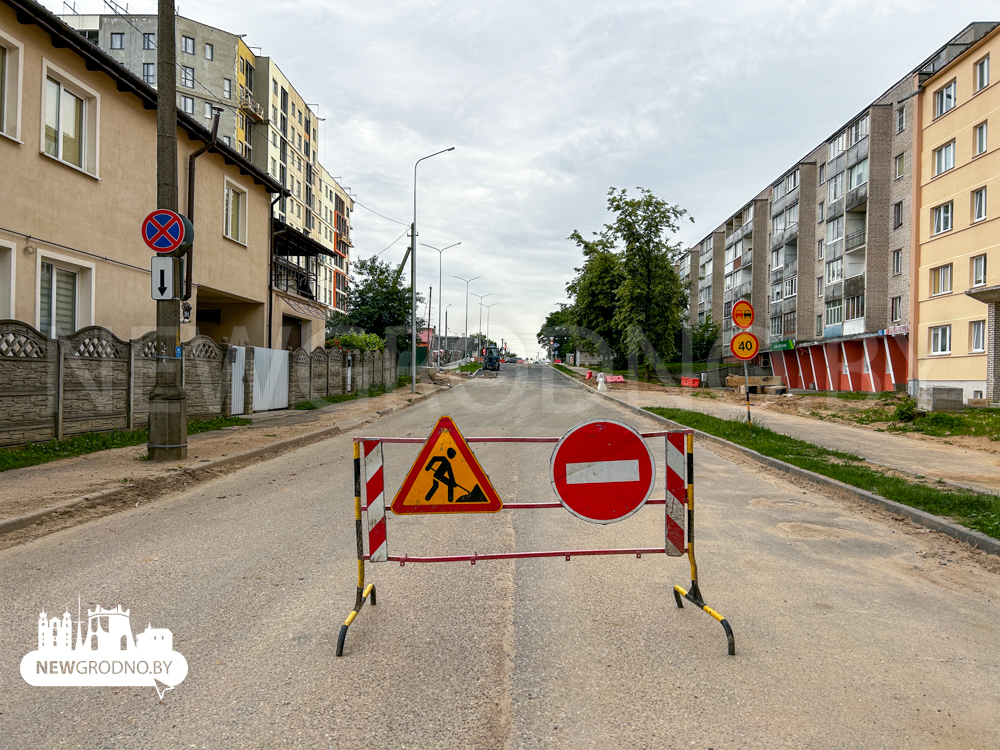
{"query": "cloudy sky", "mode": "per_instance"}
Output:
(548, 104)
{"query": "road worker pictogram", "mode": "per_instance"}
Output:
(446, 478)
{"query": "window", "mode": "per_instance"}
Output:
(819, 211)
(227, 88)
(822, 173)
(187, 44)
(854, 307)
(274, 86)
(234, 217)
(900, 120)
(944, 99)
(776, 325)
(834, 312)
(896, 309)
(819, 325)
(778, 223)
(227, 140)
(792, 181)
(778, 191)
(834, 271)
(208, 110)
(979, 205)
(149, 41)
(983, 73)
(979, 270)
(10, 85)
(788, 323)
(819, 249)
(791, 286)
(977, 336)
(776, 261)
(776, 292)
(944, 158)
(117, 41)
(942, 218)
(837, 146)
(792, 215)
(941, 340)
(65, 124)
(149, 73)
(897, 215)
(899, 166)
(857, 175)
(941, 280)
(210, 52)
(980, 138)
(819, 287)
(835, 188)
(835, 230)
(187, 104)
(857, 131)
(57, 301)
(187, 76)
(897, 262)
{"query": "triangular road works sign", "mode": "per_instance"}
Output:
(446, 478)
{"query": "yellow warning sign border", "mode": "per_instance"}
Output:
(446, 424)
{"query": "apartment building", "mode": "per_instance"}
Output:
(687, 261)
(207, 61)
(745, 271)
(711, 254)
(956, 192)
(77, 125)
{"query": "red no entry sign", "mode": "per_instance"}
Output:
(165, 231)
(602, 471)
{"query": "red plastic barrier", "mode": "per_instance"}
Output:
(614, 379)
(690, 382)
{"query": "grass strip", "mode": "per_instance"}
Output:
(565, 370)
(976, 510)
(469, 367)
(91, 442)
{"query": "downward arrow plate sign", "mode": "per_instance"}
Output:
(162, 281)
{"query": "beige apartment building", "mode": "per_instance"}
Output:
(77, 155)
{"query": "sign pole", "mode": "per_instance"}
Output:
(746, 380)
(167, 400)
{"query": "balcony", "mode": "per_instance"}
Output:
(791, 233)
(854, 240)
(791, 267)
(293, 279)
(777, 274)
(777, 240)
(747, 258)
(250, 106)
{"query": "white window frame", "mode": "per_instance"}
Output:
(943, 96)
(834, 312)
(91, 113)
(942, 218)
(776, 326)
(231, 184)
(897, 262)
(974, 327)
(84, 286)
(118, 36)
(8, 274)
(210, 51)
(185, 102)
(944, 158)
(939, 340)
(776, 291)
(819, 287)
(187, 45)
(900, 166)
(896, 309)
(978, 205)
(13, 87)
(227, 88)
(791, 286)
(979, 270)
(941, 280)
(835, 271)
(980, 139)
(900, 119)
(187, 76)
(982, 73)
(857, 175)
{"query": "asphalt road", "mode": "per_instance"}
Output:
(851, 631)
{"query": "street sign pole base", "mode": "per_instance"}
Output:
(362, 598)
(694, 596)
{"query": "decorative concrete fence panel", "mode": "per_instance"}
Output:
(203, 381)
(299, 364)
(95, 382)
(320, 372)
(29, 370)
(143, 377)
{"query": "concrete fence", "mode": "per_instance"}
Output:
(93, 381)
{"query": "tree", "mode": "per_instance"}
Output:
(703, 338)
(651, 298)
(375, 301)
(559, 326)
(594, 292)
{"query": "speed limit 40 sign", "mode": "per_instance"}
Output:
(744, 345)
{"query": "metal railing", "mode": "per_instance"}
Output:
(294, 279)
(854, 240)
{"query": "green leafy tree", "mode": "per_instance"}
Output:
(559, 326)
(594, 292)
(376, 302)
(703, 338)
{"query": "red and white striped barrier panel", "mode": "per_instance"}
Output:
(374, 500)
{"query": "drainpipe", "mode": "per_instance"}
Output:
(190, 201)
(270, 271)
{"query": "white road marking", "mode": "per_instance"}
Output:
(602, 471)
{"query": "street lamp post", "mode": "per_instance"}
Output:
(413, 275)
(467, 282)
(481, 298)
(440, 291)
(488, 318)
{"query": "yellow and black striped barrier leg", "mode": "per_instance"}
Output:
(363, 591)
(694, 594)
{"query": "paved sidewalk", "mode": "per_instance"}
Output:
(956, 465)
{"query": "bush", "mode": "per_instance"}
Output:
(906, 410)
(366, 342)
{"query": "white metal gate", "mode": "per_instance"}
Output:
(270, 379)
(239, 371)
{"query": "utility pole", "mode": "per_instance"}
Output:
(430, 339)
(167, 400)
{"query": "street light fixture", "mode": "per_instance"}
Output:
(440, 290)
(488, 319)
(481, 298)
(413, 274)
(467, 282)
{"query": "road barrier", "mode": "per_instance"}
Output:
(447, 467)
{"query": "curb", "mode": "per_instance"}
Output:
(110, 493)
(927, 520)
